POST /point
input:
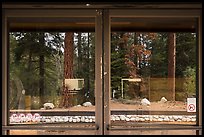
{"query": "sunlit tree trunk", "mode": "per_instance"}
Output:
(171, 63)
(68, 69)
(79, 63)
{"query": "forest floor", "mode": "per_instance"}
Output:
(135, 105)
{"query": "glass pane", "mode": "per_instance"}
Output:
(52, 75)
(153, 77)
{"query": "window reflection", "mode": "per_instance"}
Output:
(152, 76)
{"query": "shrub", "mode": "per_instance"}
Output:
(190, 81)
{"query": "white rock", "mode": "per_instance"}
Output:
(66, 119)
(87, 104)
(78, 119)
(163, 100)
(175, 117)
(146, 119)
(74, 120)
(145, 101)
(137, 119)
(180, 117)
(188, 119)
(117, 118)
(48, 105)
(127, 119)
(122, 117)
(166, 119)
(141, 119)
(53, 119)
(184, 119)
(160, 119)
(90, 117)
(132, 119)
(113, 118)
(61, 119)
(47, 120)
(193, 119)
(70, 120)
(90, 120)
(82, 119)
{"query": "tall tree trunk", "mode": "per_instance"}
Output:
(42, 69)
(68, 69)
(28, 89)
(171, 63)
(41, 81)
(88, 69)
(79, 55)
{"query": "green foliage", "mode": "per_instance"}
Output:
(185, 52)
(119, 69)
(190, 81)
(25, 51)
(84, 65)
(158, 63)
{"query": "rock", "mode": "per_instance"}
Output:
(91, 120)
(82, 119)
(74, 120)
(122, 117)
(87, 104)
(127, 119)
(117, 118)
(175, 118)
(163, 100)
(132, 119)
(137, 118)
(145, 101)
(48, 106)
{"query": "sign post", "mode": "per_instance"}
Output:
(191, 104)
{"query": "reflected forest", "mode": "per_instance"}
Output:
(41, 62)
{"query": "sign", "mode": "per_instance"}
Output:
(74, 84)
(191, 104)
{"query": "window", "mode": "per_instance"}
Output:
(121, 58)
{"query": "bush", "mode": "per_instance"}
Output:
(190, 81)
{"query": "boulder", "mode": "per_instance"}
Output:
(48, 106)
(87, 104)
(145, 101)
(163, 100)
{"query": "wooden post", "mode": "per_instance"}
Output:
(98, 74)
(107, 71)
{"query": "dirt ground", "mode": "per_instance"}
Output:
(158, 106)
(115, 105)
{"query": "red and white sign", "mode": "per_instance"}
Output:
(191, 104)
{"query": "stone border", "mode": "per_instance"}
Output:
(86, 119)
